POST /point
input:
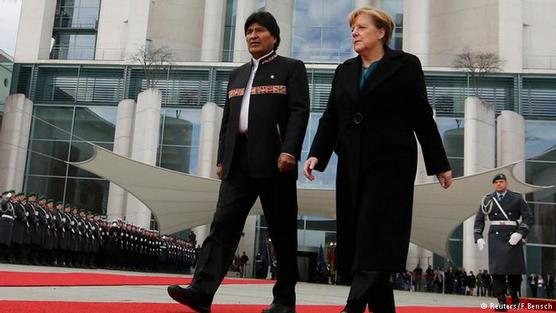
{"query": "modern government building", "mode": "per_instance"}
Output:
(73, 71)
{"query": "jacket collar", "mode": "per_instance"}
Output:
(265, 58)
(386, 67)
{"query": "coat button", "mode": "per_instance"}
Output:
(497, 233)
(357, 118)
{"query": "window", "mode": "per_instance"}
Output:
(229, 31)
(77, 14)
(74, 46)
(320, 31)
(75, 29)
(394, 8)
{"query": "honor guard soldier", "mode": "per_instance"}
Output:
(42, 229)
(51, 234)
(7, 218)
(70, 235)
(34, 230)
(510, 221)
(113, 244)
(77, 245)
(60, 233)
(20, 229)
(85, 238)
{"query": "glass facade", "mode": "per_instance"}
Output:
(179, 140)
(75, 29)
(540, 142)
(62, 134)
(229, 31)
(320, 32)
(395, 10)
(75, 105)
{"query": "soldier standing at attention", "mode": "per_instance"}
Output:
(20, 228)
(7, 217)
(504, 209)
(34, 231)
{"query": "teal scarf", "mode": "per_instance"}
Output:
(365, 73)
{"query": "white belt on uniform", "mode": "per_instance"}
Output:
(8, 216)
(512, 223)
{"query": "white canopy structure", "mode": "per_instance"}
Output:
(180, 201)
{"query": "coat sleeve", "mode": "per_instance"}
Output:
(423, 123)
(224, 125)
(479, 225)
(327, 131)
(526, 217)
(298, 106)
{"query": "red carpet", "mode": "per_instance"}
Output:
(20, 279)
(89, 307)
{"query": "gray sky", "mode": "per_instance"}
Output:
(9, 20)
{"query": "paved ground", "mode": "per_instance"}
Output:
(227, 294)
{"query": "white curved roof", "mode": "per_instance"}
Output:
(180, 201)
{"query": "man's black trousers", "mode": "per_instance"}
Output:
(237, 195)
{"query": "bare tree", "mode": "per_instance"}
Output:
(477, 64)
(154, 60)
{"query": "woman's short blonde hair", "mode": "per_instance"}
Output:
(379, 18)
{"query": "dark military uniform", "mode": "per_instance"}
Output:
(504, 258)
(60, 231)
(20, 230)
(7, 218)
(42, 229)
(113, 245)
(34, 232)
(51, 240)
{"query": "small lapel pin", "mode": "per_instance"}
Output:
(271, 76)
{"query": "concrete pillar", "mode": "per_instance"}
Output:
(14, 138)
(213, 30)
(510, 145)
(416, 28)
(211, 117)
(244, 9)
(283, 12)
(34, 35)
(479, 145)
(122, 145)
(144, 147)
(510, 34)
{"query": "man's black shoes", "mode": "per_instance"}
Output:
(278, 308)
(191, 298)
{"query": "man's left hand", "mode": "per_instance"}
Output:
(286, 162)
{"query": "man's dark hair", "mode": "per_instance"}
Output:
(268, 21)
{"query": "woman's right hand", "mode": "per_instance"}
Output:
(219, 171)
(309, 167)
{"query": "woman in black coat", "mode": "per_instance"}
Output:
(377, 102)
